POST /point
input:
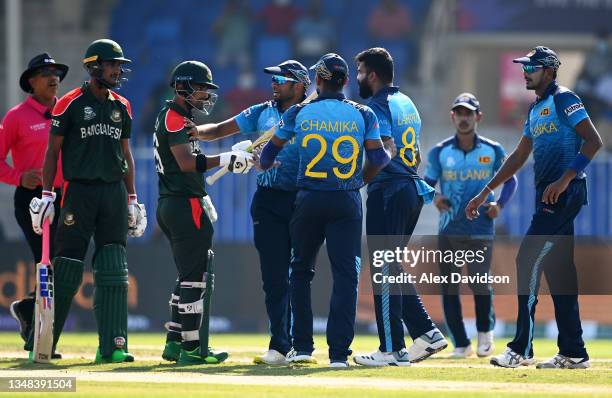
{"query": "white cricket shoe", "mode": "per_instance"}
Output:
(378, 358)
(462, 352)
(294, 356)
(485, 346)
(511, 359)
(339, 364)
(426, 345)
(271, 357)
(562, 362)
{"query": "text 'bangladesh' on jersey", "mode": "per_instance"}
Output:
(92, 132)
(551, 125)
(398, 118)
(170, 130)
(330, 132)
(260, 118)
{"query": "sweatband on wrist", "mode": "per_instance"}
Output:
(47, 193)
(579, 163)
(268, 154)
(378, 157)
(201, 163)
(507, 191)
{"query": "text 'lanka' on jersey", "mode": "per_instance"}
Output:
(330, 132)
(260, 118)
(462, 176)
(551, 125)
(397, 118)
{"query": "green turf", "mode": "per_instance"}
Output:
(243, 347)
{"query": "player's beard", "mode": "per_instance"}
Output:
(365, 91)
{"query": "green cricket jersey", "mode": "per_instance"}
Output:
(92, 132)
(170, 130)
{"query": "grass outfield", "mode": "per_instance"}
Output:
(151, 377)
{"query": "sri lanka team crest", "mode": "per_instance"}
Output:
(545, 112)
(484, 159)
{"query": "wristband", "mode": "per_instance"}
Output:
(132, 198)
(579, 163)
(47, 193)
(201, 163)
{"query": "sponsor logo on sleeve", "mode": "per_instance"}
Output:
(570, 110)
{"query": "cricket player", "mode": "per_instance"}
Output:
(24, 132)
(395, 198)
(564, 141)
(273, 202)
(331, 133)
(183, 213)
(91, 126)
(463, 164)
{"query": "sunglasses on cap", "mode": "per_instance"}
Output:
(282, 79)
(529, 69)
(49, 71)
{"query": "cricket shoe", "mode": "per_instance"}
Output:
(426, 345)
(300, 357)
(194, 357)
(172, 351)
(462, 352)
(562, 362)
(21, 312)
(119, 355)
(379, 358)
(511, 359)
(270, 357)
(485, 346)
(337, 364)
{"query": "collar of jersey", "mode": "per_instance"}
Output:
(477, 142)
(86, 89)
(338, 96)
(550, 90)
(178, 109)
(37, 106)
(386, 91)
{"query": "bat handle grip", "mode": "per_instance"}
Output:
(45, 242)
(210, 180)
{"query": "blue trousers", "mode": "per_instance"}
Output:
(334, 217)
(548, 248)
(393, 211)
(483, 294)
(271, 210)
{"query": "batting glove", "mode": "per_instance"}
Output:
(42, 209)
(137, 217)
(208, 207)
(238, 162)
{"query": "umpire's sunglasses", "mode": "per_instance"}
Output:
(49, 71)
(529, 69)
(282, 79)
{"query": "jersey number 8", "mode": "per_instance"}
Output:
(352, 159)
(409, 146)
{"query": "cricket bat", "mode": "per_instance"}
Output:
(44, 306)
(258, 145)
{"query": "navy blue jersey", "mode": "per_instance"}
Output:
(398, 118)
(551, 126)
(260, 118)
(462, 176)
(330, 132)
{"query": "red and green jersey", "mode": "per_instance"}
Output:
(92, 132)
(170, 130)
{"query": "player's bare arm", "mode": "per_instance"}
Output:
(214, 131)
(50, 163)
(511, 165)
(129, 177)
(592, 144)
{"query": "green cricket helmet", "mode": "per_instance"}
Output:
(104, 50)
(188, 73)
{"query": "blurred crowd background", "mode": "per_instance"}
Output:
(440, 48)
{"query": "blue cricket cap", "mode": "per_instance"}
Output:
(331, 66)
(540, 55)
(467, 100)
(293, 67)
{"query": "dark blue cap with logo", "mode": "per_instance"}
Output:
(40, 61)
(331, 66)
(466, 100)
(293, 67)
(540, 55)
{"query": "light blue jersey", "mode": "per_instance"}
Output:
(398, 118)
(551, 126)
(260, 118)
(462, 176)
(330, 132)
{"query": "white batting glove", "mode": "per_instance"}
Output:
(42, 209)
(242, 145)
(210, 210)
(137, 217)
(238, 162)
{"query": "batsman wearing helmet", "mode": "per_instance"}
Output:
(185, 213)
(91, 126)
